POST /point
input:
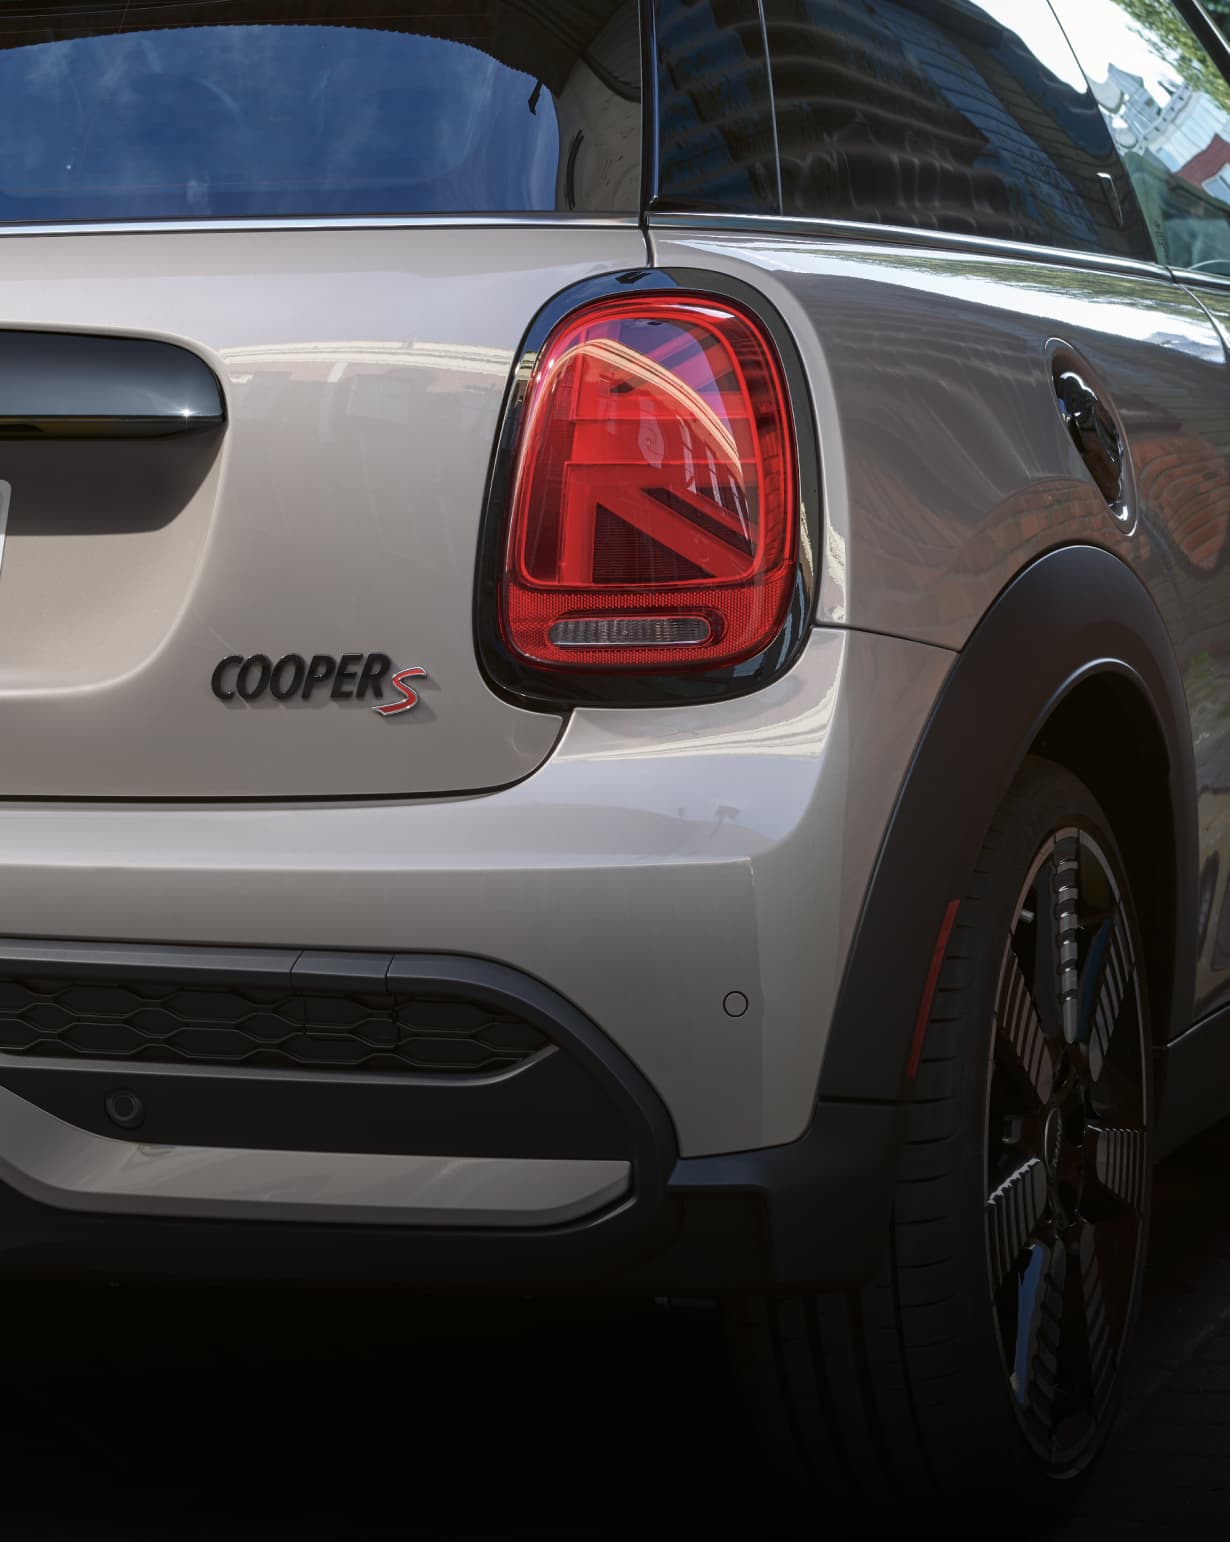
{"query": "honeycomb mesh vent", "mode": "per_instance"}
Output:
(282, 1029)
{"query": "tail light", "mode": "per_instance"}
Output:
(653, 522)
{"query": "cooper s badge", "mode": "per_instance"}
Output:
(351, 677)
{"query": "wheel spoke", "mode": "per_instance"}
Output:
(1121, 1163)
(1099, 1345)
(1067, 927)
(1035, 1371)
(1045, 982)
(1021, 1031)
(1013, 1212)
(1111, 956)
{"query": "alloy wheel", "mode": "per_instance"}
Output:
(1067, 1172)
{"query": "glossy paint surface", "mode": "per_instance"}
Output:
(658, 861)
(1206, 661)
(947, 466)
(337, 513)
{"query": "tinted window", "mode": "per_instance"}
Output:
(715, 109)
(1168, 109)
(945, 114)
(232, 108)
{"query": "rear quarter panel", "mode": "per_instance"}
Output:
(945, 463)
(947, 469)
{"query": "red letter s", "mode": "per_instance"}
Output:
(408, 692)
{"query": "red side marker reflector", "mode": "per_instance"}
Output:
(928, 995)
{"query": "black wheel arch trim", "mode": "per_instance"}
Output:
(1075, 612)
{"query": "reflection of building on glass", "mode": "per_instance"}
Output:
(1186, 133)
(1176, 141)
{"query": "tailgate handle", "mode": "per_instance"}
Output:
(76, 385)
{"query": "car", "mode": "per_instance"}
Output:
(615, 625)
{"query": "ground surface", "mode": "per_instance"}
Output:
(198, 1416)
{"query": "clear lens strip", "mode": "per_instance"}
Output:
(631, 632)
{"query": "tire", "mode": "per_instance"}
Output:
(984, 1360)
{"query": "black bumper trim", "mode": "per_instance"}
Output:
(579, 1098)
(812, 1214)
(820, 1205)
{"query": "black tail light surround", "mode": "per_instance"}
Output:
(653, 516)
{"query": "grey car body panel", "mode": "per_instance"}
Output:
(947, 469)
(1207, 669)
(657, 862)
(945, 463)
(338, 512)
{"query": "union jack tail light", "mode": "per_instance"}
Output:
(652, 523)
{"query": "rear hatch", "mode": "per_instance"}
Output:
(347, 223)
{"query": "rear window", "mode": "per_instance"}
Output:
(234, 109)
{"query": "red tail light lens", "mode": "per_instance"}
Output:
(654, 518)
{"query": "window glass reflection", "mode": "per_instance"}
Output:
(1168, 109)
(715, 107)
(945, 114)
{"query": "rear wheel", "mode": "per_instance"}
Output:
(986, 1357)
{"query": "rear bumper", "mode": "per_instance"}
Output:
(661, 865)
(603, 1201)
(668, 901)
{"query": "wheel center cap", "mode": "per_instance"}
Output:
(1052, 1140)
